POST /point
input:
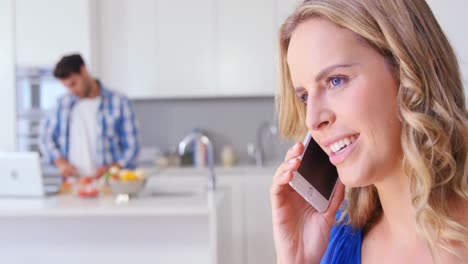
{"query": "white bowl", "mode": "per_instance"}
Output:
(130, 188)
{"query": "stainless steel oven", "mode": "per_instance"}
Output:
(37, 93)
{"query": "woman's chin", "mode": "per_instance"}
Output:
(352, 180)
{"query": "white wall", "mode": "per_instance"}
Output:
(7, 77)
(454, 20)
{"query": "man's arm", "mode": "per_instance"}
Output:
(48, 143)
(129, 136)
(50, 147)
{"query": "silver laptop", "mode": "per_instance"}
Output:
(22, 176)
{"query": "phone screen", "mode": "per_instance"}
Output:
(317, 169)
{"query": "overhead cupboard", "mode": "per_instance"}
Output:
(187, 49)
(47, 29)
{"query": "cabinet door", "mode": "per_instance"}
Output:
(231, 250)
(160, 48)
(246, 47)
(259, 228)
(113, 45)
(128, 46)
(185, 44)
(142, 59)
(48, 29)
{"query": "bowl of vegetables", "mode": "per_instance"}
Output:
(125, 182)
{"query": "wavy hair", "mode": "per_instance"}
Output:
(431, 106)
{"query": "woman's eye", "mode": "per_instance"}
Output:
(303, 98)
(336, 81)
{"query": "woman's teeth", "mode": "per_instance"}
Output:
(342, 144)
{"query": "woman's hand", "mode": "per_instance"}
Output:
(300, 232)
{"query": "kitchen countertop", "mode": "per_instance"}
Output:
(242, 169)
(184, 201)
(219, 171)
(176, 203)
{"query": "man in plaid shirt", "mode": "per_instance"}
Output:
(91, 128)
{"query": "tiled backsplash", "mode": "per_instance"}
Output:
(231, 121)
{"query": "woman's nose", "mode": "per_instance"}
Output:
(319, 115)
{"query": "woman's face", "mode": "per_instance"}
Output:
(350, 94)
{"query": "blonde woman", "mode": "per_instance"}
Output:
(383, 72)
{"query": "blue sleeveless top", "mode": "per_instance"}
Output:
(344, 245)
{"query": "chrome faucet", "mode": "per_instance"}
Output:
(197, 135)
(258, 151)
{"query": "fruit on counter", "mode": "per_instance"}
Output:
(114, 170)
(87, 187)
(115, 177)
(88, 193)
(111, 173)
(128, 175)
(124, 175)
(66, 188)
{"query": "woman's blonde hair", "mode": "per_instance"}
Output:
(431, 106)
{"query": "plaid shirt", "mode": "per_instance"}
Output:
(118, 136)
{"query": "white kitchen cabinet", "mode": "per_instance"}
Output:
(185, 35)
(246, 36)
(249, 239)
(160, 226)
(7, 77)
(48, 29)
(260, 247)
(233, 186)
(166, 47)
(141, 47)
(113, 44)
(174, 49)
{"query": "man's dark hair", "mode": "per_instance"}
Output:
(68, 65)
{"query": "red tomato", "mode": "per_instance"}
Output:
(88, 194)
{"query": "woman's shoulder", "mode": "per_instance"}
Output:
(344, 244)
